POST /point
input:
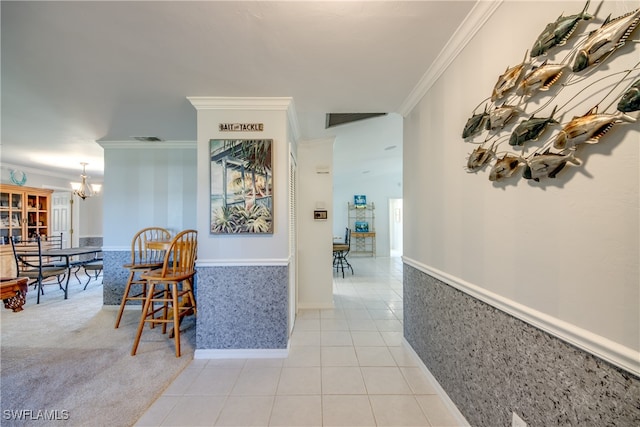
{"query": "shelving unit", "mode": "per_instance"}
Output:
(363, 238)
(24, 212)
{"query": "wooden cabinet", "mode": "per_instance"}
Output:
(363, 230)
(24, 212)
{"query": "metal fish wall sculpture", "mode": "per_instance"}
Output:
(610, 36)
(531, 129)
(557, 33)
(508, 80)
(479, 158)
(475, 124)
(499, 117)
(536, 83)
(540, 79)
(505, 167)
(630, 101)
(588, 128)
(547, 165)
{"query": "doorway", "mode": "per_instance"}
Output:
(395, 227)
(61, 216)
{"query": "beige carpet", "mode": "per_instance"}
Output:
(63, 359)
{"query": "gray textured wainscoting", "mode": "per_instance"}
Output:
(242, 307)
(90, 241)
(114, 276)
(492, 364)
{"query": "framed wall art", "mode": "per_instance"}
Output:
(241, 186)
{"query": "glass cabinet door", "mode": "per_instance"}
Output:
(11, 217)
(24, 212)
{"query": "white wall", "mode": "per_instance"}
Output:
(147, 185)
(315, 289)
(90, 216)
(272, 112)
(566, 250)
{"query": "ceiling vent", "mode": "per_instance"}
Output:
(335, 119)
(147, 138)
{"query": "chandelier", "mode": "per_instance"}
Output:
(84, 189)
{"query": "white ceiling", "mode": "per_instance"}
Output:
(81, 71)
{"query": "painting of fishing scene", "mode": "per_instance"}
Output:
(241, 186)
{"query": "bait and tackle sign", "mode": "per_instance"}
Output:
(241, 127)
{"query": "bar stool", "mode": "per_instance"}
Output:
(144, 257)
(340, 252)
(163, 287)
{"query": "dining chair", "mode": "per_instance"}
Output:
(34, 266)
(53, 241)
(340, 252)
(171, 287)
(93, 267)
(143, 259)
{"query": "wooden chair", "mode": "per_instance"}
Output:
(143, 259)
(164, 287)
(35, 267)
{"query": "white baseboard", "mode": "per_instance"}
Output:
(241, 353)
(111, 307)
(316, 306)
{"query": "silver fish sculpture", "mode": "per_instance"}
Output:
(478, 158)
(547, 165)
(630, 101)
(500, 116)
(505, 167)
(508, 80)
(590, 127)
(540, 79)
(609, 37)
(557, 33)
(531, 129)
(475, 124)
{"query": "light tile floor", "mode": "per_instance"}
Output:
(347, 366)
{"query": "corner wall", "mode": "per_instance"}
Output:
(315, 241)
(144, 185)
(523, 296)
(243, 280)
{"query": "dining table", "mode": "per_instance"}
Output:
(158, 245)
(65, 254)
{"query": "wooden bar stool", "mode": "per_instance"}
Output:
(144, 257)
(179, 268)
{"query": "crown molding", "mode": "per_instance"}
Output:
(39, 171)
(293, 121)
(474, 21)
(282, 103)
(160, 145)
(240, 103)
